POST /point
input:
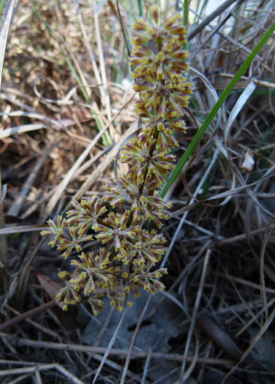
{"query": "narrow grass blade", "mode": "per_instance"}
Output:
(237, 107)
(111, 343)
(190, 149)
(4, 33)
(213, 92)
(140, 9)
(185, 18)
(21, 129)
(2, 4)
(3, 239)
(106, 97)
(87, 42)
(22, 228)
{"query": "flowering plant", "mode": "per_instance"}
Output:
(128, 261)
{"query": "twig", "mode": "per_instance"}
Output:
(27, 314)
(42, 367)
(114, 352)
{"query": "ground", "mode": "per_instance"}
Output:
(66, 106)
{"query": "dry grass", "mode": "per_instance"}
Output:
(65, 108)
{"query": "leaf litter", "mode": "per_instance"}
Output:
(46, 122)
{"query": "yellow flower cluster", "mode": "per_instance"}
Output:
(129, 260)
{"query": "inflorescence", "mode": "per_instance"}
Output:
(128, 261)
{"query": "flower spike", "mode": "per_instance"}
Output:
(131, 254)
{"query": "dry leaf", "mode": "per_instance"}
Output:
(65, 318)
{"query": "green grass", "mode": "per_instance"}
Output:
(140, 8)
(2, 4)
(185, 18)
(192, 146)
